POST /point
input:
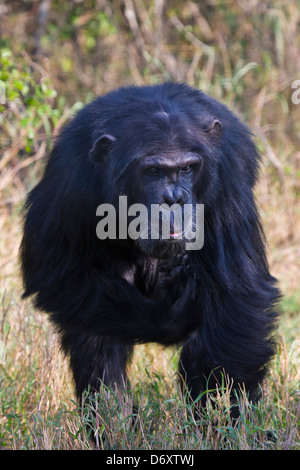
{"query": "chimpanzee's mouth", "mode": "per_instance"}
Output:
(176, 235)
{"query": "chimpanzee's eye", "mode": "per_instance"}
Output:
(152, 171)
(185, 169)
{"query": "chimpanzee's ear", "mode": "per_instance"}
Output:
(215, 128)
(101, 146)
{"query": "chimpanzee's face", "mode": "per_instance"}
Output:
(166, 181)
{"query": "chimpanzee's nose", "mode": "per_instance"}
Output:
(175, 195)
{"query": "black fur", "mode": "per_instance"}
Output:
(104, 296)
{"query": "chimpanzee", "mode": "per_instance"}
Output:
(153, 145)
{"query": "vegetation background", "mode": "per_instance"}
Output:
(55, 57)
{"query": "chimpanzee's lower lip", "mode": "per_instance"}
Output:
(176, 235)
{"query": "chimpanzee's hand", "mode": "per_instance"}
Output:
(172, 278)
(183, 317)
(135, 318)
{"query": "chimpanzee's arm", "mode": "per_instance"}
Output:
(114, 308)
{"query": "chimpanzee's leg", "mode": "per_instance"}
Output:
(197, 375)
(201, 368)
(95, 361)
